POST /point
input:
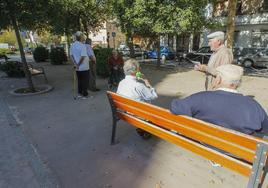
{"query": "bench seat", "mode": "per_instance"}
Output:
(237, 151)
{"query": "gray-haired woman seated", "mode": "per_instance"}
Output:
(136, 87)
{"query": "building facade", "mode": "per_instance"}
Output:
(251, 22)
(251, 26)
(109, 35)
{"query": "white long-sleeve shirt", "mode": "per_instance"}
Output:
(131, 88)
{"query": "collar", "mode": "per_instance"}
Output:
(221, 46)
(79, 42)
(228, 90)
(130, 77)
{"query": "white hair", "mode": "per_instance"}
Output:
(230, 74)
(78, 35)
(131, 66)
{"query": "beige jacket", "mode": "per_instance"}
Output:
(221, 56)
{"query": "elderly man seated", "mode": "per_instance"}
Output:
(136, 87)
(224, 106)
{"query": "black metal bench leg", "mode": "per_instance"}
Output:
(45, 77)
(113, 131)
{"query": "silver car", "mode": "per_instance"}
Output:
(126, 51)
(257, 57)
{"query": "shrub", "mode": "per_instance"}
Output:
(58, 56)
(102, 55)
(40, 54)
(4, 51)
(12, 69)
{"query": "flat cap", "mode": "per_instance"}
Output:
(229, 72)
(218, 35)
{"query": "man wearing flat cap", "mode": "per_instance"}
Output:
(221, 56)
(224, 106)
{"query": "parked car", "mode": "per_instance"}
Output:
(126, 51)
(28, 50)
(202, 55)
(165, 53)
(256, 57)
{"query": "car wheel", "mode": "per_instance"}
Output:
(247, 63)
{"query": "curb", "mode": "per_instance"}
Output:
(46, 87)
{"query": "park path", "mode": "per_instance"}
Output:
(72, 136)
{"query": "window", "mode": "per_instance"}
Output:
(265, 6)
(204, 50)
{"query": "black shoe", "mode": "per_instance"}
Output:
(144, 134)
(95, 90)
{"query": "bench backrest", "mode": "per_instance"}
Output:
(186, 131)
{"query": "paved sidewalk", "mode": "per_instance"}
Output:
(73, 137)
(20, 165)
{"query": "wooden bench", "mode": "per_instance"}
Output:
(33, 69)
(37, 71)
(249, 152)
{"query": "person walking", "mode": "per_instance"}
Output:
(221, 56)
(79, 57)
(92, 66)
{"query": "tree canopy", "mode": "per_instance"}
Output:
(147, 17)
(68, 16)
(152, 18)
(29, 14)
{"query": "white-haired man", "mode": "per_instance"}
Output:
(221, 56)
(79, 57)
(135, 88)
(224, 106)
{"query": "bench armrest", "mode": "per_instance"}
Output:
(36, 68)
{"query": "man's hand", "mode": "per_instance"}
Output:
(147, 83)
(76, 67)
(199, 67)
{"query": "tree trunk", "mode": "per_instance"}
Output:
(158, 51)
(129, 39)
(68, 44)
(22, 54)
(231, 22)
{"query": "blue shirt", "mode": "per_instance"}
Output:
(227, 109)
(90, 51)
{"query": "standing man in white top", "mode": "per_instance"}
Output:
(79, 57)
(136, 88)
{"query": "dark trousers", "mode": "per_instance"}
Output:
(82, 79)
(92, 75)
(115, 76)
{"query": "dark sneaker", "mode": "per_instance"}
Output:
(144, 134)
(95, 90)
